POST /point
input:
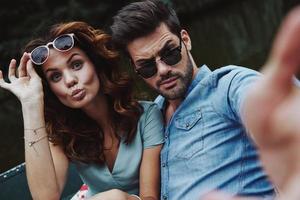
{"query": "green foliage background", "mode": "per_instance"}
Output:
(222, 31)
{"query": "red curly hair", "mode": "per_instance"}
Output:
(80, 137)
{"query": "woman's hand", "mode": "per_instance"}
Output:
(24, 81)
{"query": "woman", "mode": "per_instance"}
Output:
(74, 95)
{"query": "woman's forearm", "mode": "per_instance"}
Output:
(40, 170)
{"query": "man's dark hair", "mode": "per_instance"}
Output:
(139, 19)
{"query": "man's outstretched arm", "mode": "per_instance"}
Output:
(271, 112)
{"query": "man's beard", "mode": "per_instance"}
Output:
(184, 80)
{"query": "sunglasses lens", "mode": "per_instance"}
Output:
(39, 55)
(147, 72)
(149, 68)
(63, 43)
(173, 57)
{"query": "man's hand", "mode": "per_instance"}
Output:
(271, 111)
(217, 195)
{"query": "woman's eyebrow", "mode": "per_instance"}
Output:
(50, 70)
(70, 58)
(68, 61)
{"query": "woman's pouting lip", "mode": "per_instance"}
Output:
(78, 94)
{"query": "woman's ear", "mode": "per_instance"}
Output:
(186, 39)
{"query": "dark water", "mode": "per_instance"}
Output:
(222, 32)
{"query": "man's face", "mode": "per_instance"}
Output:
(170, 80)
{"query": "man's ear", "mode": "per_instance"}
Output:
(186, 39)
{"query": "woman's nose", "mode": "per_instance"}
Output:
(70, 79)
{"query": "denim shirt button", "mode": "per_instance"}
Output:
(165, 197)
(166, 136)
(164, 164)
(187, 125)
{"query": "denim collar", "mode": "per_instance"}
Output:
(201, 74)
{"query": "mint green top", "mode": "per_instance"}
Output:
(125, 173)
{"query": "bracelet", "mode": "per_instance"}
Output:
(34, 130)
(30, 143)
(136, 196)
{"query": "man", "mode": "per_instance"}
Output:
(206, 145)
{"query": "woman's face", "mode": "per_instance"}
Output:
(72, 77)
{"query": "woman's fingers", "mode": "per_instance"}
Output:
(12, 70)
(3, 84)
(30, 70)
(22, 66)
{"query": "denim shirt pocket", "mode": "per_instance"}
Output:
(191, 136)
(188, 121)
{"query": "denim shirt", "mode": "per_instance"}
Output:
(206, 146)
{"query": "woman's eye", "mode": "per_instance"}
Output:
(55, 77)
(76, 65)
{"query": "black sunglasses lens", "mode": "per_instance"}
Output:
(64, 42)
(147, 72)
(173, 57)
(39, 55)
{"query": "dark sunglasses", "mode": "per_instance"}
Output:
(62, 43)
(149, 68)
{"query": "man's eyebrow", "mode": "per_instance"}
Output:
(169, 44)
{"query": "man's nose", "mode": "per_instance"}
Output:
(162, 68)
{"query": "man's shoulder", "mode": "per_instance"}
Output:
(233, 69)
(231, 73)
